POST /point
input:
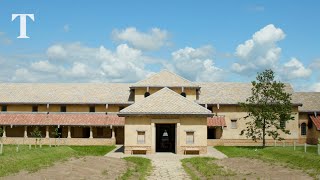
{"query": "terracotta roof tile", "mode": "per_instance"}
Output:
(316, 121)
(81, 119)
(216, 121)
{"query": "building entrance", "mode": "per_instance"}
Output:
(165, 138)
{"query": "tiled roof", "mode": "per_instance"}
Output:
(316, 121)
(216, 121)
(310, 101)
(165, 78)
(228, 92)
(64, 93)
(165, 101)
(79, 119)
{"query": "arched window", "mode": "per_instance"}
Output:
(183, 94)
(303, 129)
(146, 94)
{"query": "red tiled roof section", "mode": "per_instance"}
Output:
(81, 119)
(316, 121)
(216, 121)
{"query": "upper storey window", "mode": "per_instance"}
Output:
(92, 109)
(63, 109)
(34, 108)
(146, 94)
(183, 94)
(3, 108)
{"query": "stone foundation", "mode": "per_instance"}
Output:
(61, 141)
(249, 142)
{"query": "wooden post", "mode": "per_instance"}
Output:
(25, 131)
(69, 132)
(294, 145)
(17, 148)
(29, 146)
(318, 149)
(305, 147)
(275, 143)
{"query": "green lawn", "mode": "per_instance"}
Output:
(142, 167)
(309, 161)
(35, 159)
(203, 167)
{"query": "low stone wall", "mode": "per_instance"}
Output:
(248, 142)
(202, 149)
(61, 141)
(129, 149)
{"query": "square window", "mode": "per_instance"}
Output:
(190, 138)
(141, 137)
(92, 109)
(234, 124)
(63, 109)
(3, 108)
(34, 108)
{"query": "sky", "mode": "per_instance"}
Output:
(126, 41)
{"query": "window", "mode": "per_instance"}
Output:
(282, 123)
(183, 94)
(190, 138)
(233, 124)
(34, 108)
(3, 108)
(99, 131)
(303, 129)
(63, 108)
(92, 109)
(146, 94)
(141, 137)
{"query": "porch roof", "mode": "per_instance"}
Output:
(165, 102)
(216, 121)
(79, 119)
(316, 121)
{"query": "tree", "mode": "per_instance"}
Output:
(36, 133)
(269, 108)
(56, 135)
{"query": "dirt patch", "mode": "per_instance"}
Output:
(90, 167)
(195, 171)
(257, 169)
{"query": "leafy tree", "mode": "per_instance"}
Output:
(269, 108)
(56, 135)
(36, 133)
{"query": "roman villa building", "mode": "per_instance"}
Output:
(162, 113)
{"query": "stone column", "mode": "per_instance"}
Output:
(69, 132)
(153, 138)
(91, 134)
(25, 131)
(4, 134)
(47, 132)
(178, 138)
(113, 135)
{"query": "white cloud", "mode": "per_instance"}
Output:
(152, 40)
(196, 64)
(259, 52)
(294, 69)
(79, 63)
(43, 66)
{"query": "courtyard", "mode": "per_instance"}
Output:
(109, 162)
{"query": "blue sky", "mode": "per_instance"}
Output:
(125, 41)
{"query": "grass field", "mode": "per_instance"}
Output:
(34, 159)
(308, 162)
(203, 168)
(141, 169)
